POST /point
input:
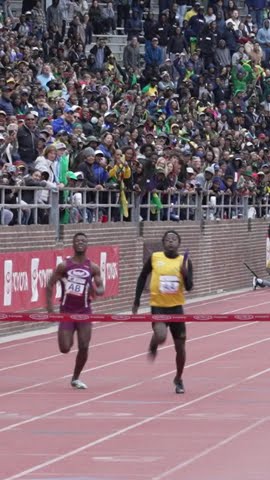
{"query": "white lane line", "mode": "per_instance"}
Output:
(16, 337)
(104, 395)
(214, 447)
(121, 360)
(38, 360)
(131, 427)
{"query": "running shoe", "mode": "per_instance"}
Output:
(78, 384)
(179, 386)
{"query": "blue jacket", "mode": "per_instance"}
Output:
(100, 174)
(6, 106)
(106, 152)
(61, 124)
(256, 4)
(153, 56)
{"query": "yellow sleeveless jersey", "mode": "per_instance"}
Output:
(166, 285)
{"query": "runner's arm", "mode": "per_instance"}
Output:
(146, 270)
(98, 283)
(187, 272)
(57, 275)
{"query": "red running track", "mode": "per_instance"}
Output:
(129, 424)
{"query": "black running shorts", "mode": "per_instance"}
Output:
(178, 329)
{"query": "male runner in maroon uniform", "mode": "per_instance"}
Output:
(79, 279)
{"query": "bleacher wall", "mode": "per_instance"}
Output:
(218, 251)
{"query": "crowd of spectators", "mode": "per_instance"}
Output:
(186, 112)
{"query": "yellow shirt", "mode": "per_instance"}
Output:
(190, 14)
(167, 284)
(151, 91)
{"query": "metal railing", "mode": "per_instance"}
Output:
(105, 205)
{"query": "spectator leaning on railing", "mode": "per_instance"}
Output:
(183, 127)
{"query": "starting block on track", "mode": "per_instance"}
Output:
(64, 317)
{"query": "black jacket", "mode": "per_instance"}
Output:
(27, 141)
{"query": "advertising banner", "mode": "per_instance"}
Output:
(24, 275)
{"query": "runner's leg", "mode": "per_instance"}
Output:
(159, 336)
(65, 336)
(84, 331)
(180, 348)
(178, 331)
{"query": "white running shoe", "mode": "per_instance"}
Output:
(78, 384)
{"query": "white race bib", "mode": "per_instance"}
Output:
(168, 284)
(74, 288)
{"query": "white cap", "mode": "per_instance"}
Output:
(190, 170)
(75, 107)
(60, 146)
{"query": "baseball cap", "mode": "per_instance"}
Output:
(99, 152)
(79, 175)
(71, 175)
(74, 108)
(92, 138)
(60, 146)
(12, 126)
(190, 170)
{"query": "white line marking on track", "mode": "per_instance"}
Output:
(128, 458)
(133, 426)
(38, 333)
(205, 452)
(38, 360)
(128, 387)
(103, 414)
(104, 365)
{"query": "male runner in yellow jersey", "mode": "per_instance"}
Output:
(171, 274)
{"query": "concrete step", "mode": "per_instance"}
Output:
(115, 39)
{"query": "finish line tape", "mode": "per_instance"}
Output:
(64, 317)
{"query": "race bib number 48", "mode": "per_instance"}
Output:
(168, 284)
(73, 288)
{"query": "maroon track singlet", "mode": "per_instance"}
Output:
(76, 285)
